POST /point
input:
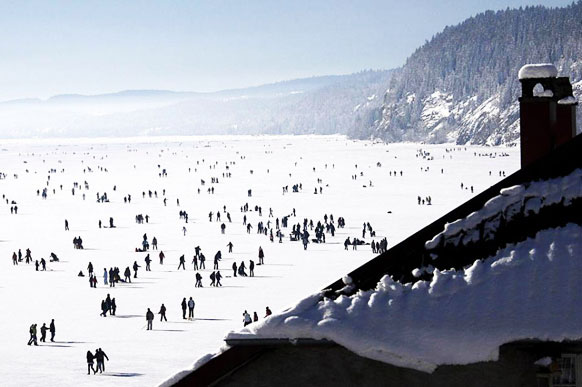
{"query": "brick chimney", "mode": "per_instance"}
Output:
(547, 111)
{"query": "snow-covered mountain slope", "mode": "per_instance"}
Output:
(463, 86)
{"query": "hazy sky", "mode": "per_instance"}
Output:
(89, 47)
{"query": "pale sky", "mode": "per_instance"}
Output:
(91, 47)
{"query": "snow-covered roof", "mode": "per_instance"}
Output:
(535, 195)
(543, 70)
(527, 290)
(568, 101)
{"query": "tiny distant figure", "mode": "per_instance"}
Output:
(268, 312)
(252, 268)
(184, 305)
(66, 225)
(255, 317)
(105, 276)
(148, 261)
(32, 331)
(52, 330)
(154, 244)
(135, 267)
(162, 256)
(261, 256)
(247, 318)
(198, 283)
(213, 279)
(218, 278)
(184, 230)
(182, 262)
(230, 246)
(234, 269)
(90, 367)
(162, 313)
(149, 319)
(191, 305)
(43, 330)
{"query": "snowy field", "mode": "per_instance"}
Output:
(264, 164)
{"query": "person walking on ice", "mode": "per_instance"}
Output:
(100, 356)
(90, 367)
(182, 262)
(32, 331)
(162, 313)
(149, 319)
(43, 330)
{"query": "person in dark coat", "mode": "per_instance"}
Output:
(234, 268)
(100, 356)
(198, 283)
(147, 261)
(182, 262)
(52, 330)
(184, 306)
(149, 319)
(162, 313)
(135, 267)
(261, 256)
(32, 331)
(43, 330)
(90, 367)
(218, 278)
(252, 268)
(191, 305)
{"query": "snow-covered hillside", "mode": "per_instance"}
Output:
(139, 357)
(463, 84)
(318, 105)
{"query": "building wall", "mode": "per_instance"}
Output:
(336, 366)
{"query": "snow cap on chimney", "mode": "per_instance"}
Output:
(542, 70)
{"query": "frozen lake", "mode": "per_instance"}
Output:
(263, 164)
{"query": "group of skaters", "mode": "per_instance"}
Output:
(247, 319)
(108, 305)
(100, 357)
(186, 306)
(43, 330)
(111, 276)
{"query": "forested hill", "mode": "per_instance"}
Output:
(462, 85)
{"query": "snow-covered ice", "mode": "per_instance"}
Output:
(263, 164)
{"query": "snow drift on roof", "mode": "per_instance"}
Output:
(527, 290)
(543, 70)
(531, 197)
